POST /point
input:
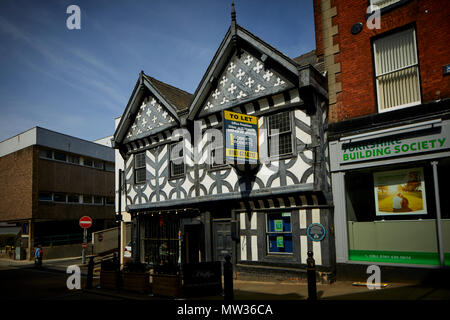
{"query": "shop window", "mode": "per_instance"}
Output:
(139, 168)
(397, 70)
(61, 156)
(161, 242)
(45, 196)
(177, 167)
(280, 134)
(391, 215)
(279, 233)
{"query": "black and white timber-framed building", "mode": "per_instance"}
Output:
(199, 211)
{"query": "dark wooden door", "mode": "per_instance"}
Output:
(222, 239)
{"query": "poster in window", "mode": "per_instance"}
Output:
(278, 225)
(400, 192)
(280, 242)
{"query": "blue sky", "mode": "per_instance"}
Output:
(77, 81)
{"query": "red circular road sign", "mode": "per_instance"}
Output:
(84, 245)
(85, 222)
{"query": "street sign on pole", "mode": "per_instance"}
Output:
(85, 222)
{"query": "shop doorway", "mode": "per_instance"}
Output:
(193, 243)
(222, 239)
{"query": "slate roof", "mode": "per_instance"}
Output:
(310, 58)
(179, 98)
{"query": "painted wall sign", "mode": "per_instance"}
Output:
(241, 138)
(316, 232)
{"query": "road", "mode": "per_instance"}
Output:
(27, 283)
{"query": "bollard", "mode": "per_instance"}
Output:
(90, 274)
(228, 279)
(311, 272)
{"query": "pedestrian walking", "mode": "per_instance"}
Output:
(38, 254)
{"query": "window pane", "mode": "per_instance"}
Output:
(282, 143)
(74, 159)
(98, 164)
(87, 162)
(139, 160)
(280, 243)
(59, 197)
(110, 200)
(140, 175)
(397, 71)
(395, 51)
(73, 198)
(60, 156)
(87, 199)
(98, 200)
(109, 166)
(279, 222)
(279, 232)
(45, 196)
(217, 157)
(399, 88)
(177, 169)
(383, 3)
(280, 122)
(47, 154)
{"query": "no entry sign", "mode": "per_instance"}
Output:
(85, 222)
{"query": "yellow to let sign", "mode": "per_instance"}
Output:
(241, 154)
(239, 117)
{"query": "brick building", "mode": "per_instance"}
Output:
(49, 180)
(388, 66)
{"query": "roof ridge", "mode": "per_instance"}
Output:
(166, 84)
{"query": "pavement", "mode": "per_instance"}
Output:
(261, 290)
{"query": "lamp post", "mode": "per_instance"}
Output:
(119, 218)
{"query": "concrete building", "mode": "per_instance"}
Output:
(388, 69)
(48, 181)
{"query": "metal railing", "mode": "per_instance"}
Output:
(57, 240)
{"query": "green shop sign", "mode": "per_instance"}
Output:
(370, 150)
(424, 258)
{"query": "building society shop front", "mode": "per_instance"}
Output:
(390, 194)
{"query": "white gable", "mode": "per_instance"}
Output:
(244, 78)
(152, 115)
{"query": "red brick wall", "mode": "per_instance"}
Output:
(16, 188)
(432, 20)
(318, 27)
